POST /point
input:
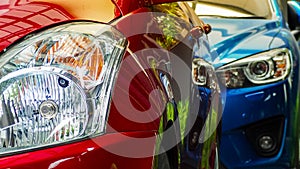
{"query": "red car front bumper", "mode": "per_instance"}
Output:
(109, 151)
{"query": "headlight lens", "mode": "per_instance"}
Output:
(263, 68)
(56, 85)
(203, 74)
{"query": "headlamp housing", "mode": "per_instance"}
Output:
(56, 85)
(203, 74)
(263, 68)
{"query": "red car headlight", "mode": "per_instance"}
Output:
(56, 85)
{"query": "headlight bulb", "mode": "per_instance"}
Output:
(48, 109)
(259, 68)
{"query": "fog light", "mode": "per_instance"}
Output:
(266, 143)
(266, 135)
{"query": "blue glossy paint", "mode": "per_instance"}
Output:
(234, 39)
(296, 6)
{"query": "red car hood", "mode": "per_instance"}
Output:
(20, 17)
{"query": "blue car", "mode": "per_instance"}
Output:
(258, 65)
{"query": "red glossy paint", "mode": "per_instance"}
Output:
(86, 154)
(127, 6)
(144, 82)
(18, 18)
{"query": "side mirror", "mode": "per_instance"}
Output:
(294, 17)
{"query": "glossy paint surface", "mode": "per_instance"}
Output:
(103, 11)
(236, 39)
(89, 153)
(19, 18)
(135, 111)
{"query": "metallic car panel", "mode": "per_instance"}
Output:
(248, 107)
(19, 19)
(101, 10)
(86, 153)
(139, 113)
(235, 39)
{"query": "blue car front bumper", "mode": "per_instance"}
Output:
(250, 114)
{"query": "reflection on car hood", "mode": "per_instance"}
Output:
(234, 39)
(18, 19)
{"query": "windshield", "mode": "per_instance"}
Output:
(233, 8)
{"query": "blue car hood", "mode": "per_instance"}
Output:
(234, 39)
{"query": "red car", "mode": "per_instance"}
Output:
(106, 84)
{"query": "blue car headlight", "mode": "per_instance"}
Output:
(262, 68)
(56, 85)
